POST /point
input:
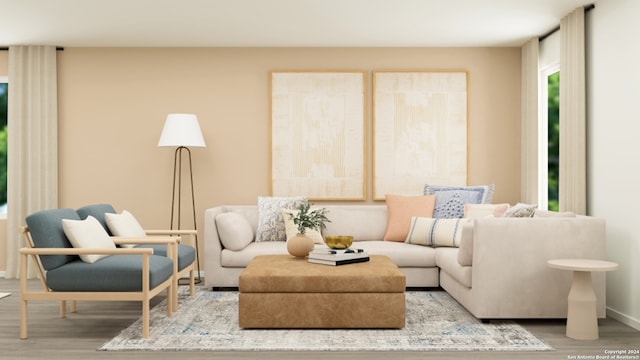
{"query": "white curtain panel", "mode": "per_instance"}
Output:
(529, 122)
(572, 184)
(33, 141)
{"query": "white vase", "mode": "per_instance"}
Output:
(299, 245)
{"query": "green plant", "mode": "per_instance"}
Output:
(305, 219)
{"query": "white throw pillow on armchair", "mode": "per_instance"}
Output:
(87, 233)
(124, 225)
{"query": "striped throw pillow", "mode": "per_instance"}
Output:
(435, 232)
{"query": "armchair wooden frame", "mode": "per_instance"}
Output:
(186, 271)
(144, 296)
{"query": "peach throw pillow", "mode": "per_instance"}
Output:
(400, 210)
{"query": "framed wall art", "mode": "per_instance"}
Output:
(317, 134)
(420, 130)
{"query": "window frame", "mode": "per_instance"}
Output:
(543, 133)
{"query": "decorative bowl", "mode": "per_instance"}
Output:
(338, 241)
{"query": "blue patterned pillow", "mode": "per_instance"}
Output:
(450, 200)
(270, 220)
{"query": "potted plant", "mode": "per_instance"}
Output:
(305, 219)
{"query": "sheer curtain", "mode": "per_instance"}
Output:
(529, 122)
(572, 184)
(33, 141)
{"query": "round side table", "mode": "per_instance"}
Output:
(582, 317)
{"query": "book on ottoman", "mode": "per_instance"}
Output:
(338, 262)
(338, 257)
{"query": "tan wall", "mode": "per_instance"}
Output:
(113, 103)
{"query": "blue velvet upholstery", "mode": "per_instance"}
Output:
(113, 273)
(97, 211)
(186, 253)
(46, 232)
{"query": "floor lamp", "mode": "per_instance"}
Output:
(182, 131)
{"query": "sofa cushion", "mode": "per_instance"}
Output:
(291, 228)
(400, 210)
(447, 261)
(403, 255)
(450, 200)
(46, 231)
(111, 274)
(435, 232)
(87, 233)
(234, 230)
(242, 258)
(475, 211)
(363, 222)
(270, 220)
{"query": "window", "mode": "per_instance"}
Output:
(553, 139)
(4, 95)
(549, 137)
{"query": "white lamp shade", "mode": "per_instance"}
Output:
(181, 130)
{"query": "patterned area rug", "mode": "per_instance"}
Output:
(435, 322)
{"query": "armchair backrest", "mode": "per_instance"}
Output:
(46, 231)
(97, 211)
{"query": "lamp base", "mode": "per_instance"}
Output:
(176, 206)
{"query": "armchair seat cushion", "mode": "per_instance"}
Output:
(186, 253)
(113, 273)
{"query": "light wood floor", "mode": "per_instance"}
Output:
(78, 336)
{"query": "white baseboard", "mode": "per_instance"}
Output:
(3, 274)
(623, 318)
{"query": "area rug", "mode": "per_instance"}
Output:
(434, 322)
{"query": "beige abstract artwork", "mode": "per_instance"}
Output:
(420, 131)
(317, 133)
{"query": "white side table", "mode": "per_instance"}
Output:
(582, 318)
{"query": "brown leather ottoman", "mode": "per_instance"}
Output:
(280, 291)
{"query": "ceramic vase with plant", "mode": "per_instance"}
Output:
(305, 219)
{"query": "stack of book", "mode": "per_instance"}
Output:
(335, 257)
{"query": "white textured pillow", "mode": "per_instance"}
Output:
(234, 231)
(435, 232)
(521, 210)
(292, 229)
(270, 220)
(87, 233)
(124, 225)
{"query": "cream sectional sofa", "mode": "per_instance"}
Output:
(499, 270)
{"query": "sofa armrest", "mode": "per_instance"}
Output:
(510, 260)
(465, 254)
(212, 244)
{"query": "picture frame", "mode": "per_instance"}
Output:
(318, 134)
(420, 130)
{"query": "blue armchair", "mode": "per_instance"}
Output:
(184, 258)
(124, 274)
